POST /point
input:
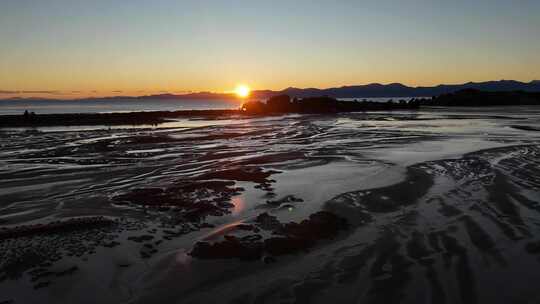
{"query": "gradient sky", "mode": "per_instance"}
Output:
(80, 48)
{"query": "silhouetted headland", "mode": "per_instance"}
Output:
(477, 98)
(321, 105)
(396, 90)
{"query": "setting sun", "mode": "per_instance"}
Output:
(242, 91)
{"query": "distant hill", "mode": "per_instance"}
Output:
(391, 90)
(372, 90)
(400, 90)
(190, 96)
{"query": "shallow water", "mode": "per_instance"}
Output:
(442, 206)
(45, 106)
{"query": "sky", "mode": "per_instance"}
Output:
(72, 48)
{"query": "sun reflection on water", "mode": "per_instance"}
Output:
(239, 205)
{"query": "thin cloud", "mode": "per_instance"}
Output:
(28, 92)
(41, 92)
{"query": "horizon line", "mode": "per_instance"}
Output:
(48, 94)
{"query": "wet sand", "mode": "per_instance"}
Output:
(433, 206)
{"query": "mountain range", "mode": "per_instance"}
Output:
(391, 90)
(370, 90)
(400, 90)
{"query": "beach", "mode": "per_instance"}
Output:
(435, 205)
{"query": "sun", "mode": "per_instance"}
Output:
(242, 91)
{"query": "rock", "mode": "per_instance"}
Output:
(245, 227)
(74, 224)
(232, 247)
(286, 199)
(140, 239)
(111, 244)
(533, 247)
(269, 259)
(320, 225)
(42, 285)
(286, 245)
(267, 222)
(293, 237)
(68, 271)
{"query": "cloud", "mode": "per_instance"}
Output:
(42, 92)
(28, 92)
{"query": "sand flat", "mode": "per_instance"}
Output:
(441, 205)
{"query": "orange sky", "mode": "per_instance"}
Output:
(73, 49)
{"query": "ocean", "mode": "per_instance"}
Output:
(14, 107)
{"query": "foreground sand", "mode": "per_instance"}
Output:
(439, 206)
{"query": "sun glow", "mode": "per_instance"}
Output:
(242, 91)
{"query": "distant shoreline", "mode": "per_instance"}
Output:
(318, 105)
(281, 104)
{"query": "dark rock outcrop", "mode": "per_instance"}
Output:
(320, 105)
(289, 238)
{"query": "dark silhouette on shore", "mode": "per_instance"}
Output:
(477, 98)
(321, 105)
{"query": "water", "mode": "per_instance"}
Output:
(15, 107)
